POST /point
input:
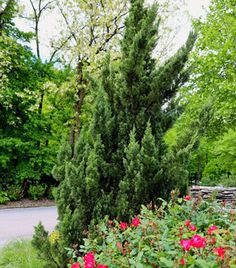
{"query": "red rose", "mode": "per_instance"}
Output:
(198, 241)
(212, 229)
(123, 226)
(182, 261)
(186, 244)
(220, 252)
(187, 198)
(102, 266)
(213, 241)
(187, 223)
(135, 221)
(193, 227)
(75, 265)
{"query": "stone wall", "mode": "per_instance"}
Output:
(222, 193)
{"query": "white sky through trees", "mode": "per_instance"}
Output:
(50, 25)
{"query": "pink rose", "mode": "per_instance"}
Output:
(198, 241)
(75, 265)
(187, 198)
(135, 221)
(212, 229)
(186, 244)
(123, 226)
(193, 228)
(89, 261)
(220, 252)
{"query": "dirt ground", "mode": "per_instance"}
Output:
(27, 203)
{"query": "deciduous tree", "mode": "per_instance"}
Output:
(212, 85)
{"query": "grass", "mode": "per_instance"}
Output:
(19, 254)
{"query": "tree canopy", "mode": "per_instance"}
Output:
(212, 85)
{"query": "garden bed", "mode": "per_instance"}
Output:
(182, 233)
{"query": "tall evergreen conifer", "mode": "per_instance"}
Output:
(84, 191)
(146, 93)
(119, 163)
(127, 195)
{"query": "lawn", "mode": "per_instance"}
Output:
(19, 254)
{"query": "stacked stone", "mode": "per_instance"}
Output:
(221, 193)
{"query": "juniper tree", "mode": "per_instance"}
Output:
(127, 195)
(84, 191)
(145, 95)
(119, 153)
(128, 99)
(151, 184)
(145, 88)
(140, 183)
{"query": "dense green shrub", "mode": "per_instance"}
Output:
(49, 247)
(51, 193)
(3, 197)
(37, 191)
(15, 192)
(179, 234)
(225, 180)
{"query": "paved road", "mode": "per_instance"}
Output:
(18, 223)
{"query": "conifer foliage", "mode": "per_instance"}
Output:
(119, 159)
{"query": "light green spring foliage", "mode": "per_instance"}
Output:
(19, 254)
(29, 140)
(221, 165)
(29, 135)
(90, 29)
(212, 85)
(214, 66)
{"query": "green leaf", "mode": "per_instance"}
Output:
(167, 263)
(203, 263)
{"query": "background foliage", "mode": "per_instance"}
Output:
(212, 85)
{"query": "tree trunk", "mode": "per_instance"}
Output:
(40, 111)
(199, 174)
(37, 38)
(76, 126)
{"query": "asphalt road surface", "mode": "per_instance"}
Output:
(18, 223)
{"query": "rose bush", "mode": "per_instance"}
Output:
(182, 233)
